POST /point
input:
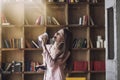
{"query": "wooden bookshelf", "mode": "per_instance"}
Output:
(29, 18)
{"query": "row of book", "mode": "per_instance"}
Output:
(52, 21)
(69, 1)
(75, 1)
(31, 65)
(97, 65)
(18, 0)
(94, 66)
(79, 43)
(95, 1)
(18, 43)
(80, 66)
(13, 66)
(83, 20)
(13, 43)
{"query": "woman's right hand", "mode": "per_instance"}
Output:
(43, 43)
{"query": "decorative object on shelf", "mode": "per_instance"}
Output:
(99, 42)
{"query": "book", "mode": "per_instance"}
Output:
(28, 45)
(55, 21)
(4, 20)
(35, 44)
(32, 66)
(27, 64)
(85, 20)
(8, 66)
(40, 20)
(80, 65)
(22, 42)
(91, 44)
(91, 21)
(49, 21)
(74, 42)
(7, 45)
(80, 21)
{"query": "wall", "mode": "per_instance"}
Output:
(111, 64)
(118, 35)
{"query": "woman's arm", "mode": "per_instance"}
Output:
(45, 50)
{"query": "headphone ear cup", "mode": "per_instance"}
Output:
(61, 46)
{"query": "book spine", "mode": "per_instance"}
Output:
(6, 44)
(22, 42)
(35, 44)
(55, 21)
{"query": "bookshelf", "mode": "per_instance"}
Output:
(24, 20)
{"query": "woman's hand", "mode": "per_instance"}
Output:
(43, 45)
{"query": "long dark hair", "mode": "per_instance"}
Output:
(68, 47)
(67, 40)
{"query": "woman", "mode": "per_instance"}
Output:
(56, 55)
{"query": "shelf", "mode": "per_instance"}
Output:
(32, 49)
(97, 71)
(12, 72)
(53, 26)
(11, 49)
(80, 49)
(76, 72)
(77, 25)
(41, 72)
(78, 3)
(97, 49)
(97, 4)
(14, 49)
(8, 25)
(57, 3)
(97, 26)
(34, 25)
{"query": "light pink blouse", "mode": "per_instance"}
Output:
(55, 69)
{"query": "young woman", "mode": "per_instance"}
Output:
(56, 55)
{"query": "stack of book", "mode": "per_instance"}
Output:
(98, 66)
(80, 65)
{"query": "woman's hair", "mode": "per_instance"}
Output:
(68, 47)
(67, 40)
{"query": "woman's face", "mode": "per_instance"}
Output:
(59, 36)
